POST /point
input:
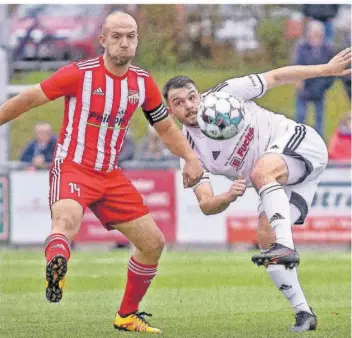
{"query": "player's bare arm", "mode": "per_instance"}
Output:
(178, 145)
(292, 74)
(210, 204)
(21, 103)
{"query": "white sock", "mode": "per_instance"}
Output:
(287, 282)
(277, 209)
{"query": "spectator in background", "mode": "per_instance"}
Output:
(313, 51)
(128, 148)
(324, 14)
(347, 43)
(39, 152)
(340, 143)
(152, 148)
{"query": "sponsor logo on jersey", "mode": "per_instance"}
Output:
(105, 118)
(98, 91)
(236, 162)
(215, 154)
(242, 151)
(238, 155)
(133, 96)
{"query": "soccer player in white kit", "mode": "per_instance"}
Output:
(283, 160)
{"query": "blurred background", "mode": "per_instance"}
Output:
(206, 285)
(210, 43)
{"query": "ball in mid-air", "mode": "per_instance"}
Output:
(220, 115)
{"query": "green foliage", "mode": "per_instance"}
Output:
(273, 43)
(157, 36)
(194, 295)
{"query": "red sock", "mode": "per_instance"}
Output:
(56, 244)
(139, 277)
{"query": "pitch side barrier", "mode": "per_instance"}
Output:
(24, 207)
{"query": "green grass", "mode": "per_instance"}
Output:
(195, 294)
(280, 100)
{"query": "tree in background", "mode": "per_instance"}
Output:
(271, 34)
(158, 36)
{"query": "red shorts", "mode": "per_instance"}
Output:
(110, 195)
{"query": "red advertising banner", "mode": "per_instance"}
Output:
(158, 190)
(328, 221)
(316, 229)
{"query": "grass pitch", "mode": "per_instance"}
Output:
(195, 294)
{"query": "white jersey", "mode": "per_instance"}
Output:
(261, 127)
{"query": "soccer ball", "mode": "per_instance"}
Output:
(220, 116)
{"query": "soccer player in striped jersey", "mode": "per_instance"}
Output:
(101, 95)
(283, 160)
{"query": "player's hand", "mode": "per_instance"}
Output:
(192, 172)
(338, 64)
(238, 188)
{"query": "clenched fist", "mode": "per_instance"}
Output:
(192, 172)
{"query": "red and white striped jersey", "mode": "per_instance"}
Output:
(98, 108)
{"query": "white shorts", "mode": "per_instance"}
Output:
(306, 156)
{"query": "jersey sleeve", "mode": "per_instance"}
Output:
(63, 82)
(246, 88)
(153, 107)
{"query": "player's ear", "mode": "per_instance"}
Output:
(102, 40)
(169, 111)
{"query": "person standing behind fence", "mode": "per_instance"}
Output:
(151, 148)
(39, 152)
(313, 51)
(323, 14)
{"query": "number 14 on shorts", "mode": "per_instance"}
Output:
(75, 189)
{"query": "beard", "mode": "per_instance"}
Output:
(186, 122)
(192, 119)
(120, 60)
(192, 124)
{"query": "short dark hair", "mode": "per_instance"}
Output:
(176, 82)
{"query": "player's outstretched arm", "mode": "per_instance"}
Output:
(292, 74)
(21, 103)
(210, 204)
(178, 145)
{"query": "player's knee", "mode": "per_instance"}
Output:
(269, 168)
(259, 175)
(159, 244)
(66, 217)
(66, 223)
(156, 246)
